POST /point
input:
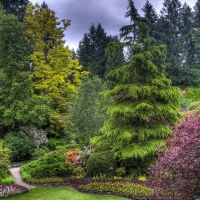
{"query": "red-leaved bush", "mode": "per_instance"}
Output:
(176, 174)
(72, 156)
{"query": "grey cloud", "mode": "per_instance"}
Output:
(82, 13)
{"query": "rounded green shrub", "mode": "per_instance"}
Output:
(20, 145)
(49, 165)
(100, 163)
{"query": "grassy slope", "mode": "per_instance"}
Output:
(59, 193)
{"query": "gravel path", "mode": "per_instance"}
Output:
(18, 178)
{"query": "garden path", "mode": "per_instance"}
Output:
(18, 178)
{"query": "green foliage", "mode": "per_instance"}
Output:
(25, 175)
(79, 172)
(54, 143)
(55, 74)
(142, 106)
(185, 102)
(86, 111)
(121, 171)
(118, 188)
(18, 105)
(8, 179)
(193, 93)
(62, 149)
(178, 28)
(137, 167)
(4, 161)
(114, 55)
(43, 150)
(21, 146)
(100, 163)
(49, 165)
(152, 16)
(194, 106)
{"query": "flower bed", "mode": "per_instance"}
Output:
(45, 180)
(126, 189)
(11, 190)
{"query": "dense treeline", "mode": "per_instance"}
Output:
(177, 26)
(41, 86)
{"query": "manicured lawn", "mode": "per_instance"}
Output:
(59, 193)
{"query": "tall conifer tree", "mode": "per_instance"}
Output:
(142, 105)
(151, 15)
(171, 20)
(91, 50)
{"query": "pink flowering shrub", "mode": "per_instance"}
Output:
(176, 174)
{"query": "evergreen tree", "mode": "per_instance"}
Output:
(83, 52)
(151, 15)
(143, 105)
(16, 7)
(114, 55)
(190, 60)
(197, 14)
(91, 50)
(134, 32)
(169, 34)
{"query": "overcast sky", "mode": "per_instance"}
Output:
(82, 13)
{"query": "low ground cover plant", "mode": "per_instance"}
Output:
(127, 189)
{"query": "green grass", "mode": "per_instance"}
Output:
(60, 193)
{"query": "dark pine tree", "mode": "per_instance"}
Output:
(16, 7)
(91, 50)
(197, 14)
(169, 34)
(152, 16)
(190, 71)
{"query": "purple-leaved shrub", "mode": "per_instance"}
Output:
(176, 174)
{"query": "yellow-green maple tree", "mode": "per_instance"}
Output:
(55, 73)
